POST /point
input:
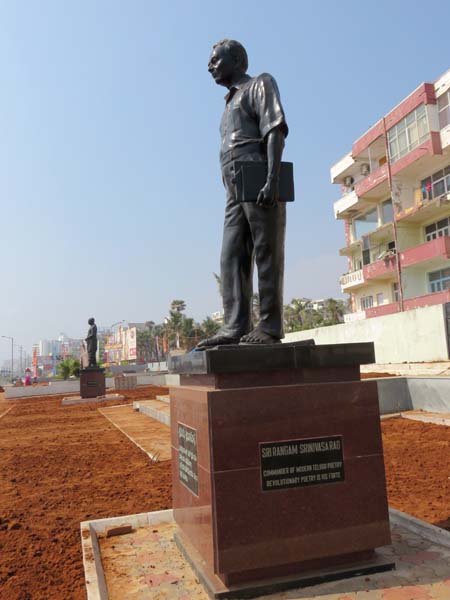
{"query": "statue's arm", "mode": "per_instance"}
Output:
(275, 146)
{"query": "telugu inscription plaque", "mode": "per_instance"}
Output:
(187, 457)
(298, 463)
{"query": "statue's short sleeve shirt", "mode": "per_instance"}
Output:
(253, 108)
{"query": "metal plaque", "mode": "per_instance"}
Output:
(187, 457)
(298, 463)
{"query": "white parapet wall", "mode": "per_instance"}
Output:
(411, 336)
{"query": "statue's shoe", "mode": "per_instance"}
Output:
(217, 340)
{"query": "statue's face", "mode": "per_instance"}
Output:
(221, 65)
(91, 321)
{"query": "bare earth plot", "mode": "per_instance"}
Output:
(63, 465)
(60, 466)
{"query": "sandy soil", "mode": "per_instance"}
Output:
(59, 466)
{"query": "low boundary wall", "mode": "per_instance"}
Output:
(73, 386)
(418, 335)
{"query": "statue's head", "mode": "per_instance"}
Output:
(91, 321)
(228, 59)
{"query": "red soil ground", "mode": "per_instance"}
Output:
(417, 460)
(59, 466)
(62, 465)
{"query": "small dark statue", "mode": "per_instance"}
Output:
(91, 343)
(253, 128)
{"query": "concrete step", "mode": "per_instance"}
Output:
(165, 398)
(160, 411)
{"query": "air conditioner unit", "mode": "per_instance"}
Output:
(365, 169)
(349, 181)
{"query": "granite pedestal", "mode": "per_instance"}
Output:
(278, 473)
(92, 382)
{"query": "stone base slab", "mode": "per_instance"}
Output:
(79, 400)
(217, 590)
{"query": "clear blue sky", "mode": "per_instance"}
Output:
(111, 201)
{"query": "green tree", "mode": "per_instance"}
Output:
(68, 367)
(334, 311)
(209, 327)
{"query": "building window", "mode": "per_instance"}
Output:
(363, 224)
(387, 212)
(357, 263)
(366, 302)
(395, 291)
(380, 299)
(439, 280)
(444, 109)
(436, 230)
(366, 257)
(408, 134)
(436, 185)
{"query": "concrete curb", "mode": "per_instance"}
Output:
(437, 535)
(96, 587)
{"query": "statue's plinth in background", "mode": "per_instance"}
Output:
(92, 382)
(278, 473)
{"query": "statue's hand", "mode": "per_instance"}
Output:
(268, 195)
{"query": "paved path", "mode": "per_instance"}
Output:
(146, 564)
(151, 436)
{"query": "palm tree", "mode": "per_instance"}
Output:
(210, 327)
(177, 306)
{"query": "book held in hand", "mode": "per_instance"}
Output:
(251, 176)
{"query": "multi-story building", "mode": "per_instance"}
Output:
(123, 344)
(395, 205)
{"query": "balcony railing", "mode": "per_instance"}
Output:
(351, 280)
(348, 201)
(427, 300)
(374, 179)
(438, 248)
(383, 309)
(381, 268)
(355, 316)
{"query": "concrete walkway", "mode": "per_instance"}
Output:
(150, 435)
(427, 417)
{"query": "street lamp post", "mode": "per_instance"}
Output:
(12, 354)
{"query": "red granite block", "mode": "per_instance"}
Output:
(298, 524)
(238, 528)
(270, 378)
(240, 419)
(193, 513)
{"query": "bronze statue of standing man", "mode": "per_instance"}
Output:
(253, 128)
(91, 343)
